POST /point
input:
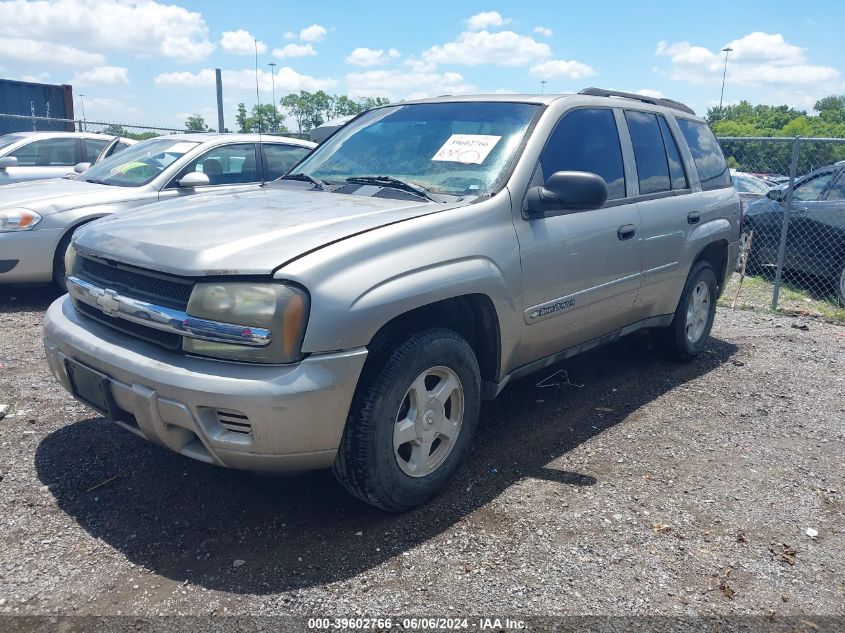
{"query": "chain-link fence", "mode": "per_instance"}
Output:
(21, 123)
(793, 194)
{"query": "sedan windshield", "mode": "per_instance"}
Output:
(442, 148)
(139, 164)
(9, 139)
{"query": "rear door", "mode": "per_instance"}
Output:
(581, 271)
(666, 205)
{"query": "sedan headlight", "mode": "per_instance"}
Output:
(279, 308)
(18, 220)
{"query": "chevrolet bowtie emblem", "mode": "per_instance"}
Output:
(108, 302)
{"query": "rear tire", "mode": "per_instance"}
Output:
(687, 335)
(411, 421)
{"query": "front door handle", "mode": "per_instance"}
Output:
(626, 232)
(693, 217)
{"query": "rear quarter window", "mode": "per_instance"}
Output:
(709, 160)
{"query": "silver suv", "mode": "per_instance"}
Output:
(354, 313)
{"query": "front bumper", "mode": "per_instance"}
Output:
(289, 417)
(32, 253)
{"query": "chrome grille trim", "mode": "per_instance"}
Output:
(162, 318)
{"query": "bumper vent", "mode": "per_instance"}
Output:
(234, 421)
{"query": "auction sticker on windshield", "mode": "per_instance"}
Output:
(470, 149)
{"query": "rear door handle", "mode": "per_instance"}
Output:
(693, 217)
(626, 232)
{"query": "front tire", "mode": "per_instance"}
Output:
(59, 261)
(686, 337)
(412, 420)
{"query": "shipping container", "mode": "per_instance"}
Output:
(35, 100)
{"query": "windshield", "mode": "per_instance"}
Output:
(9, 139)
(447, 148)
(140, 164)
(749, 184)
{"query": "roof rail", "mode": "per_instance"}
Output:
(666, 103)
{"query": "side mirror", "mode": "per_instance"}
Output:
(194, 179)
(81, 167)
(8, 161)
(566, 192)
(776, 194)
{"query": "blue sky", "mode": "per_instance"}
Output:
(152, 62)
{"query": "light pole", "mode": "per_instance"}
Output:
(543, 86)
(725, 50)
(82, 102)
(272, 66)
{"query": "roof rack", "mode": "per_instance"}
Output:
(666, 103)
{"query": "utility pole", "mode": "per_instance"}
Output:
(543, 86)
(272, 66)
(82, 102)
(726, 51)
(218, 76)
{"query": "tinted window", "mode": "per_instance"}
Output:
(587, 140)
(226, 165)
(649, 152)
(705, 150)
(676, 166)
(811, 189)
(280, 158)
(54, 152)
(93, 147)
(837, 192)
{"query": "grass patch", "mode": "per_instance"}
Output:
(796, 299)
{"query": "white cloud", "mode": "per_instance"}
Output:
(241, 42)
(313, 33)
(757, 59)
(402, 84)
(486, 20)
(106, 109)
(294, 50)
(107, 75)
(504, 91)
(544, 31)
(503, 48)
(142, 27)
(561, 68)
(28, 52)
(289, 35)
(287, 80)
(367, 57)
(648, 92)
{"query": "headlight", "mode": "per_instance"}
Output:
(18, 220)
(70, 260)
(281, 309)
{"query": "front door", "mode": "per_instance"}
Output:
(581, 271)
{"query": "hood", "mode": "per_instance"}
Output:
(251, 233)
(60, 194)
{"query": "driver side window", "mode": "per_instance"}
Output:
(226, 165)
(811, 190)
(587, 140)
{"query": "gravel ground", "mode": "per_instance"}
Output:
(656, 488)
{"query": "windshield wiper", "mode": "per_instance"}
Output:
(394, 183)
(321, 185)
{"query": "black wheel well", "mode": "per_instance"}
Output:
(473, 316)
(716, 253)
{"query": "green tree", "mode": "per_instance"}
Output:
(264, 118)
(115, 129)
(196, 123)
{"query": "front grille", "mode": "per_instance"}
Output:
(165, 339)
(157, 288)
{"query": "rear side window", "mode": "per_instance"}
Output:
(587, 140)
(649, 152)
(280, 158)
(709, 161)
(676, 167)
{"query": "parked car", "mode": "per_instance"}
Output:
(815, 241)
(38, 155)
(354, 313)
(748, 186)
(324, 131)
(38, 218)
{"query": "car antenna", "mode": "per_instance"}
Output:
(259, 163)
